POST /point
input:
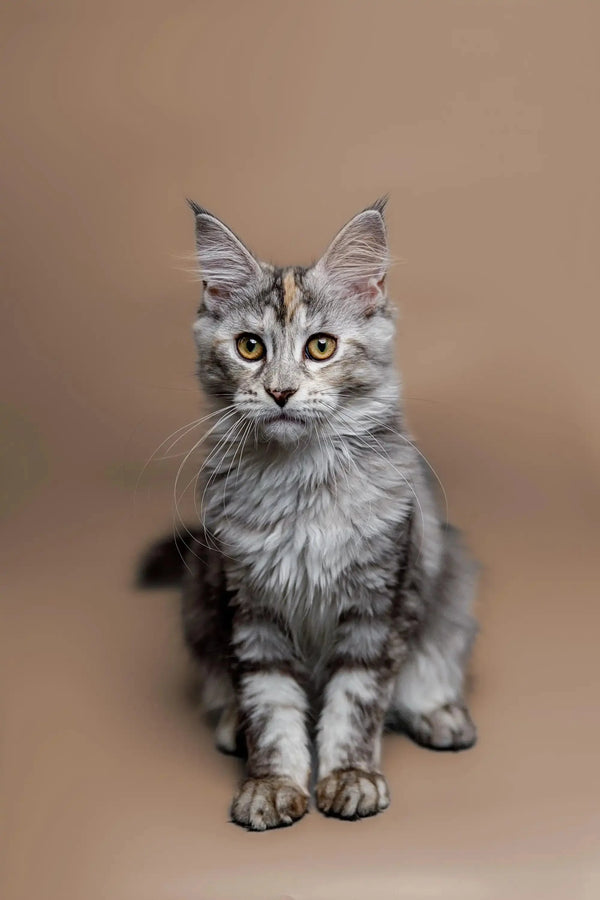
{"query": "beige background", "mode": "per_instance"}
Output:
(481, 119)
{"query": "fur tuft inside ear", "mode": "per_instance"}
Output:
(227, 266)
(356, 262)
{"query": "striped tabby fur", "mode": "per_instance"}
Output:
(325, 596)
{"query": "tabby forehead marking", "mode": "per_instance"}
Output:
(291, 294)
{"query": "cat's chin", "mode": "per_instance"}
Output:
(284, 428)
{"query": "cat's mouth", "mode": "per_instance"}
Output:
(286, 417)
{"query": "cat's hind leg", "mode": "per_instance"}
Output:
(206, 621)
(428, 697)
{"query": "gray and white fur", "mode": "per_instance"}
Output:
(325, 597)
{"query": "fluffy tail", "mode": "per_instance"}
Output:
(162, 565)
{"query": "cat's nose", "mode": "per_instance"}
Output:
(281, 397)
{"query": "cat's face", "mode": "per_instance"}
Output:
(298, 352)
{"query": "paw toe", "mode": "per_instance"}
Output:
(448, 727)
(270, 802)
(352, 793)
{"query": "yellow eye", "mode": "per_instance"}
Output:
(320, 347)
(250, 347)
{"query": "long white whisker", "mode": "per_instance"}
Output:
(207, 459)
(223, 443)
(178, 517)
(181, 432)
(226, 440)
(193, 449)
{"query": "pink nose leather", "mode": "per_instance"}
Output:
(281, 397)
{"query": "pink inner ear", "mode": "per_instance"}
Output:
(371, 292)
(372, 289)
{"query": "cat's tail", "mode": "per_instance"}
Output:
(163, 563)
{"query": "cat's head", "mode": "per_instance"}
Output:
(297, 351)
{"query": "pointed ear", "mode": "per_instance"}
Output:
(226, 265)
(356, 261)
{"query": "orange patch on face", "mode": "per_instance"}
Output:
(291, 297)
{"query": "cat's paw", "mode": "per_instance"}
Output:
(352, 793)
(448, 727)
(270, 802)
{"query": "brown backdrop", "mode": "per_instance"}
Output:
(481, 119)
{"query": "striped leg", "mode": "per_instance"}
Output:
(428, 697)
(350, 727)
(272, 707)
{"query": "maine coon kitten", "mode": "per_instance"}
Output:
(325, 597)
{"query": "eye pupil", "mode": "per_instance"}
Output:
(250, 347)
(321, 347)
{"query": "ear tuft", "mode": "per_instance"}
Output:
(380, 204)
(195, 207)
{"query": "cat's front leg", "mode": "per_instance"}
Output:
(356, 696)
(273, 708)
